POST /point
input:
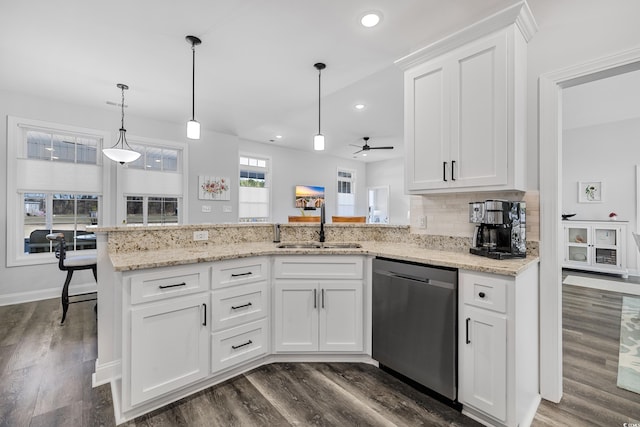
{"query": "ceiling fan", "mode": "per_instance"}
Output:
(367, 147)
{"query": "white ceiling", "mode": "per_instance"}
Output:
(254, 69)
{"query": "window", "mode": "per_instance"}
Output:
(54, 183)
(50, 145)
(152, 210)
(152, 190)
(253, 193)
(70, 214)
(346, 199)
(155, 158)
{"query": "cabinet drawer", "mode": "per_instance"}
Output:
(484, 291)
(319, 267)
(238, 271)
(168, 282)
(239, 344)
(236, 305)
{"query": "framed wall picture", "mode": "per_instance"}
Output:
(590, 192)
(213, 188)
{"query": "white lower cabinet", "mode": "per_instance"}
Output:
(169, 346)
(240, 312)
(318, 314)
(498, 347)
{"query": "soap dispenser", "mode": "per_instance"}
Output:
(276, 233)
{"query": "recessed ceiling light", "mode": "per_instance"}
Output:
(359, 106)
(158, 160)
(364, 155)
(278, 136)
(371, 19)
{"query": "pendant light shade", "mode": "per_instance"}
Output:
(118, 153)
(318, 140)
(193, 127)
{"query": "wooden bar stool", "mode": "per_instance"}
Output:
(71, 264)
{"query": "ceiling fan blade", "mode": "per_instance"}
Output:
(354, 145)
(381, 148)
(358, 151)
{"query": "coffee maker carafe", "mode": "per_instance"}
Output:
(500, 231)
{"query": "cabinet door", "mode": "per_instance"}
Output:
(296, 315)
(427, 130)
(479, 151)
(483, 351)
(169, 346)
(577, 245)
(605, 242)
(341, 316)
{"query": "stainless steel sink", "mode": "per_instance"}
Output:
(318, 245)
(295, 245)
(340, 245)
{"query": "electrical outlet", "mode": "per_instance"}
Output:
(226, 208)
(422, 222)
(206, 208)
(201, 235)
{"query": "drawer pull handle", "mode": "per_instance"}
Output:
(235, 307)
(482, 295)
(235, 347)
(204, 323)
(248, 273)
(453, 165)
(468, 341)
(172, 286)
(444, 171)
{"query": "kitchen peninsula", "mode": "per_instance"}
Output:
(177, 315)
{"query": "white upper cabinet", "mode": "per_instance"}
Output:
(465, 108)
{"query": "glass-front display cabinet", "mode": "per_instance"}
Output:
(595, 246)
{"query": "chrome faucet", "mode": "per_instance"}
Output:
(322, 218)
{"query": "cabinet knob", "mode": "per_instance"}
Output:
(481, 294)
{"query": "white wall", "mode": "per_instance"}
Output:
(573, 32)
(294, 167)
(391, 172)
(214, 154)
(607, 153)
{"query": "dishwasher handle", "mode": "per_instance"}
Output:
(421, 280)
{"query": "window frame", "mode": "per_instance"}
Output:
(182, 170)
(16, 150)
(353, 180)
(268, 170)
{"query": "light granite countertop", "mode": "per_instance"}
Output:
(128, 261)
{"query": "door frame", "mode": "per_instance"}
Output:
(550, 173)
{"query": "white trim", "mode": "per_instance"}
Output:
(518, 14)
(550, 172)
(120, 212)
(607, 285)
(42, 294)
(14, 206)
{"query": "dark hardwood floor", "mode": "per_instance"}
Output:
(45, 380)
(591, 337)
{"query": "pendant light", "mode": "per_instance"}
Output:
(121, 155)
(193, 127)
(318, 140)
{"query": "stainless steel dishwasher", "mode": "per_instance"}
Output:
(415, 323)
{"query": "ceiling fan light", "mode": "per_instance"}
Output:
(318, 142)
(193, 129)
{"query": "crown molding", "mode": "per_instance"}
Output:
(518, 14)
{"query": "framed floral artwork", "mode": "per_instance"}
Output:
(213, 188)
(590, 192)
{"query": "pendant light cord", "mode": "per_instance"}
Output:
(319, 110)
(193, 82)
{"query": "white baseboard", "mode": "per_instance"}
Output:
(42, 294)
(607, 285)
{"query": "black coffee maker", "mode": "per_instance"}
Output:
(500, 230)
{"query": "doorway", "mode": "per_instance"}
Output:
(550, 164)
(378, 205)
